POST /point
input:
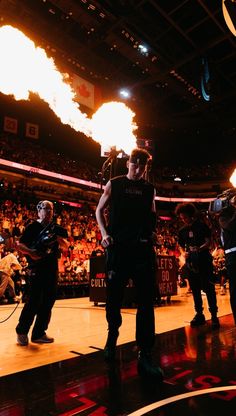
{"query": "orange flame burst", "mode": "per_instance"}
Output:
(26, 68)
(233, 178)
(118, 120)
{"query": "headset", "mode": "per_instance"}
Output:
(42, 204)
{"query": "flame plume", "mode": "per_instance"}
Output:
(118, 120)
(233, 178)
(26, 68)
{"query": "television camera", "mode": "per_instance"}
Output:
(46, 240)
(222, 201)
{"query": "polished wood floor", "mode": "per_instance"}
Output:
(79, 327)
(70, 377)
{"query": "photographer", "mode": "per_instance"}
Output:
(194, 240)
(227, 221)
(41, 243)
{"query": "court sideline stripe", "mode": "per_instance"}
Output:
(182, 396)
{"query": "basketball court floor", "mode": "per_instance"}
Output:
(70, 377)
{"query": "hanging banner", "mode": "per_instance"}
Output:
(10, 125)
(85, 91)
(32, 131)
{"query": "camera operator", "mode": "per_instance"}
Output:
(227, 221)
(41, 242)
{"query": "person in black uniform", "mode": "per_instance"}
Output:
(127, 237)
(41, 242)
(227, 221)
(194, 240)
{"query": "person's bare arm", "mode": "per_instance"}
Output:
(153, 219)
(153, 202)
(63, 243)
(101, 220)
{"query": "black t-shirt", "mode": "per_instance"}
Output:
(130, 209)
(194, 234)
(31, 236)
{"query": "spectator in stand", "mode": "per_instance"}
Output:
(220, 268)
(23, 286)
(8, 265)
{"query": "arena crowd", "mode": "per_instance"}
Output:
(17, 209)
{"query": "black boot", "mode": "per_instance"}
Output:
(110, 347)
(146, 367)
(199, 319)
(215, 323)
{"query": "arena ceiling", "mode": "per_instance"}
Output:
(183, 83)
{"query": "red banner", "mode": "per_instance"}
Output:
(84, 91)
(32, 131)
(10, 125)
